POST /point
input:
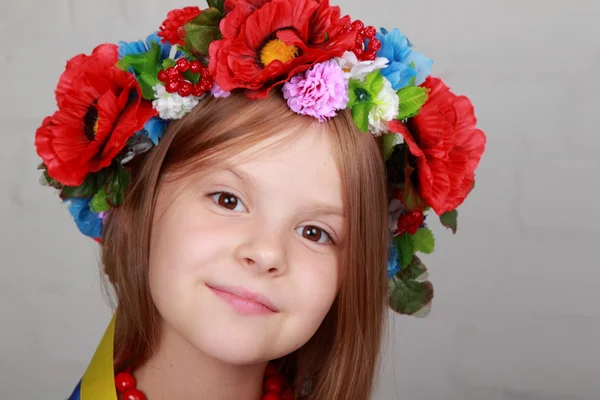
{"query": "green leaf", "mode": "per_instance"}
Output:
(98, 203)
(145, 67)
(168, 62)
(406, 248)
(409, 291)
(357, 93)
(424, 241)
(116, 186)
(389, 140)
(46, 180)
(92, 183)
(374, 83)
(360, 114)
(412, 99)
(412, 200)
(450, 220)
(218, 4)
(202, 30)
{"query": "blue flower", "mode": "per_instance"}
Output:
(404, 63)
(89, 222)
(154, 129)
(140, 47)
(393, 266)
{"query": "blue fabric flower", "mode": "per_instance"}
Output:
(393, 266)
(88, 222)
(398, 50)
(140, 47)
(154, 129)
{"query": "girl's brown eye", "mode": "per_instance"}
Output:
(315, 234)
(228, 201)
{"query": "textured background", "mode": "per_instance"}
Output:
(516, 313)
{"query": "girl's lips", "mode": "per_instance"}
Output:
(243, 300)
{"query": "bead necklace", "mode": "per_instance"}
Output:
(274, 386)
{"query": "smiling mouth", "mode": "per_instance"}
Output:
(244, 301)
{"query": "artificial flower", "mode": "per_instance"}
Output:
(355, 69)
(141, 47)
(89, 223)
(266, 42)
(446, 144)
(318, 92)
(393, 266)
(172, 29)
(99, 108)
(405, 63)
(217, 92)
(154, 129)
(172, 105)
(385, 109)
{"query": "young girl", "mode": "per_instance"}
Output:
(258, 175)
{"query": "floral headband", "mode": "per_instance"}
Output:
(115, 104)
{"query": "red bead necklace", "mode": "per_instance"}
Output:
(274, 386)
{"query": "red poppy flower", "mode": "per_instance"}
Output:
(172, 29)
(266, 42)
(99, 108)
(446, 144)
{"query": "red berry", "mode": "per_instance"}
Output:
(270, 370)
(274, 384)
(369, 32)
(197, 90)
(185, 89)
(287, 394)
(196, 66)
(358, 25)
(369, 55)
(271, 396)
(375, 45)
(162, 76)
(183, 65)
(206, 84)
(359, 52)
(359, 41)
(205, 73)
(133, 394)
(172, 86)
(172, 73)
(124, 381)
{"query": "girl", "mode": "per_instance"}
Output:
(250, 170)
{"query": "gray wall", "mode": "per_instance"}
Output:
(516, 313)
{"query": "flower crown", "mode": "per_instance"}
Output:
(115, 104)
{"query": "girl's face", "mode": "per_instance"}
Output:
(244, 260)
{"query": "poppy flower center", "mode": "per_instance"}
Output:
(276, 49)
(90, 122)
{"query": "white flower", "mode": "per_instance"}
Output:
(355, 69)
(172, 105)
(385, 110)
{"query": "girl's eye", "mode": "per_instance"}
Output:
(228, 201)
(315, 234)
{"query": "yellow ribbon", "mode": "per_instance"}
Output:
(98, 382)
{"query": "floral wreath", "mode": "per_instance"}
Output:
(115, 104)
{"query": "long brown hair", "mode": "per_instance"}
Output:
(341, 360)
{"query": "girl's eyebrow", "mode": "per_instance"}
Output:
(241, 175)
(312, 207)
(324, 209)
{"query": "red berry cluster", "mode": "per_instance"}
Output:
(410, 222)
(175, 81)
(275, 385)
(369, 32)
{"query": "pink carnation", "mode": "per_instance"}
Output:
(318, 92)
(216, 91)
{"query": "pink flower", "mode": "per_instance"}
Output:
(217, 92)
(318, 92)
